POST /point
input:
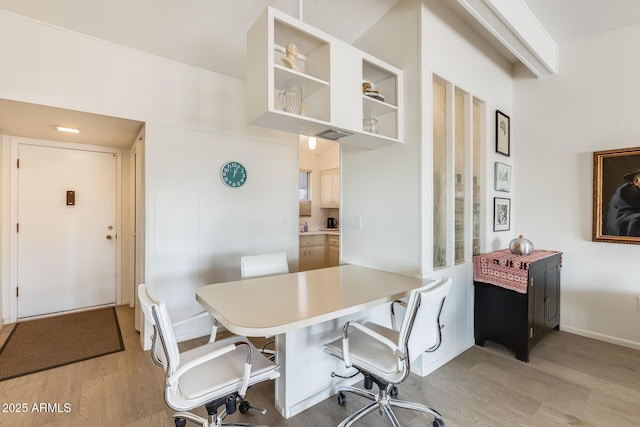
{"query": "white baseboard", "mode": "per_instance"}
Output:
(316, 398)
(424, 367)
(601, 337)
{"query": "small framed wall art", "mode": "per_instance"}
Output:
(501, 214)
(502, 178)
(503, 133)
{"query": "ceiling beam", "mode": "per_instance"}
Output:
(513, 24)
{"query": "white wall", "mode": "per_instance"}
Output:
(197, 228)
(456, 53)
(195, 120)
(380, 206)
(391, 188)
(590, 105)
(401, 175)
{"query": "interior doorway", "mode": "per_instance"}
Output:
(319, 196)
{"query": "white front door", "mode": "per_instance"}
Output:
(66, 229)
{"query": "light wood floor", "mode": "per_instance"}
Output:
(570, 380)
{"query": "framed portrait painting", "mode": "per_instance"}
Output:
(502, 178)
(616, 196)
(503, 133)
(501, 214)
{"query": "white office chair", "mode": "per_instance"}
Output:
(215, 375)
(260, 266)
(145, 305)
(384, 355)
(263, 265)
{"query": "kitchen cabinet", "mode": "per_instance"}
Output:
(326, 84)
(319, 251)
(333, 251)
(330, 188)
(520, 320)
(312, 252)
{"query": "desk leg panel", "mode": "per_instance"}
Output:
(305, 369)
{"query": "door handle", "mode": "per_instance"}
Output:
(109, 237)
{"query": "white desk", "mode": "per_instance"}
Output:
(305, 310)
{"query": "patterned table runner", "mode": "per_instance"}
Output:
(507, 270)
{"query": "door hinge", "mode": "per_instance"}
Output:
(532, 281)
(17, 291)
(17, 227)
(18, 163)
(531, 333)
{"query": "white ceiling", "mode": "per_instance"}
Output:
(38, 121)
(211, 34)
(569, 20)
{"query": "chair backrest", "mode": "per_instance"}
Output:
(160, 313)
(263, 265)
(420, 328)
(157, 353)
(145, 303)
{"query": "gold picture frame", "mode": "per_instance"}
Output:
(616, 196)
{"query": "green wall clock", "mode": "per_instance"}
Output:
(233, 174)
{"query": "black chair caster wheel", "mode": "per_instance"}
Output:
(342, 398)
(393, 392)
(244, 407)
(438, 422)
(180, 422)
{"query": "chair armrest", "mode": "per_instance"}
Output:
(373, 334)
(247, 369)
(191, 318)
(214, 326)
(393, 312)
(173, 379)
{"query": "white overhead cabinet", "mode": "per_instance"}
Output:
(330, 188)
(319, 87)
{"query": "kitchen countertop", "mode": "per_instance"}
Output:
(330, 231)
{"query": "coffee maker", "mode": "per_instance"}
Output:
(332, 223)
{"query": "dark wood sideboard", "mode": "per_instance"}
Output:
(520, 320)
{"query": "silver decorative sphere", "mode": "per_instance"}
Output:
(521, 246)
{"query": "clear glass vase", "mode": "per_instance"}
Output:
(291, 100)
(370, 124)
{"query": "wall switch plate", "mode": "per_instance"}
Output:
(355, 223)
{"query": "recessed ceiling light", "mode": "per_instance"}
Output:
(68, 130)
